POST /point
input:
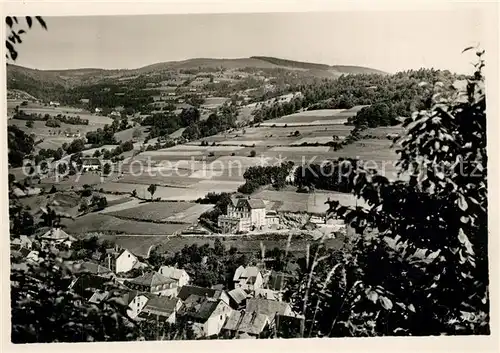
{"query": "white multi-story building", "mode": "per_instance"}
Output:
(243, 214)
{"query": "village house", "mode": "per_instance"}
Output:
(56, 236)
(245, 322)
(248, 278)
(136, 301)
(122, 261)
(180, 276)
(207, 317)
(243, 214)
(160, 309)
(269, 308)
(153, 282)
(192, 292)
(237, 298)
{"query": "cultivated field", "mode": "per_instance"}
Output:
(96, 222)
(152, 211)
(313, 117)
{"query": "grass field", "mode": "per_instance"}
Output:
(153, 211)
(191, 214)
(95, 222)
(313, 117)
(128, 134)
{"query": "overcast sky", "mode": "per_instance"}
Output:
(389, 41)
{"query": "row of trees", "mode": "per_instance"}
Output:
(335, 175)
(163, 124)
(223, 120)
(72, 120)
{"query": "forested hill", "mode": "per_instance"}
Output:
(32, 80)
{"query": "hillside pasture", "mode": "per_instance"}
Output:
(312, 140)
(312, 117)
(90, 152)
(152, 211)
(128, 134)
(189, 215)
(160, 178)
(95, 222)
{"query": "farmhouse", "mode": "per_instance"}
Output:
(246, 214)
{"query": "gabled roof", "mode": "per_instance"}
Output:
(238, 295)
(150, 279)
(57, 234)
(171, 272)
(248, 272)
(252, 323)
(186, 291)
(267, 307)
(248, 203)
(202, 311)
(158, 305)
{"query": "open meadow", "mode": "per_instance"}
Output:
(314, 117)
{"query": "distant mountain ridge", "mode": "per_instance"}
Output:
(30, 80)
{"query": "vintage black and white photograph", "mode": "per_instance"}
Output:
(247, 175)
